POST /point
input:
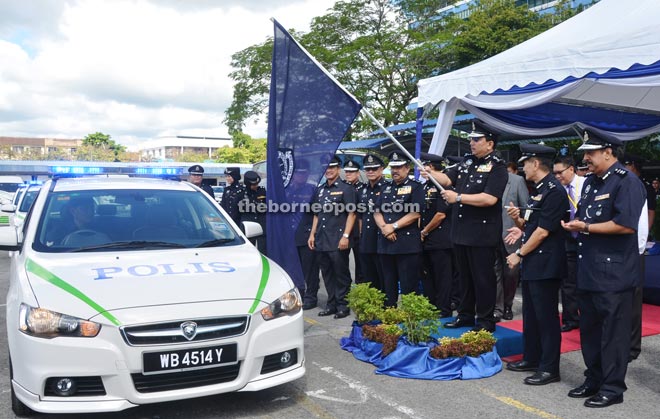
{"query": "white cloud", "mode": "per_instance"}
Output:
(131, 69)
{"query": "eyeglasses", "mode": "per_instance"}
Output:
(559, 172)
(477, 139)
(371, 169)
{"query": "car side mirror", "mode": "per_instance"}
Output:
(252, 229)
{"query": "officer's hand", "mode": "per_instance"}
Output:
(513, 211)
(387, 229)
(573, 225)
(310, 242)
(512, 260)
(449, 196)
(391, 237)
(514, 235)
(343, 243)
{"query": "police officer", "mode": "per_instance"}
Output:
(372, 270)
(255, 206)
(479, 180)
(608, 269)
(195, 176)
(352, 177)
(233, 194)
(398, 210)
(334, 217)
(542, 257)
(436, 240)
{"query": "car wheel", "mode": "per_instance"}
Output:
(18, 407)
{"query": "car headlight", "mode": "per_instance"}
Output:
(288, 304)
(48, 324)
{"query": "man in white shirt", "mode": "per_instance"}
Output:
(564, 171)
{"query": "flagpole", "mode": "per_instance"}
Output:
(398, 144)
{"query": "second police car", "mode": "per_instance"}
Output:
(126, 291)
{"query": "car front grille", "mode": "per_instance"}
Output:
(172, 332)
(187, 379)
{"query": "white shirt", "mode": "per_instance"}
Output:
(576, 183)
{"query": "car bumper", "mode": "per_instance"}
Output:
(109, 357)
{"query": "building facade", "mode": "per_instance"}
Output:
(22, 147)
(168, 148)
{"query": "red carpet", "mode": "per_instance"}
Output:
(570, 341)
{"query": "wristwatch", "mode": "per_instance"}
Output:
(395, 225)
(518, 253)
(458, 198)
(345, 235)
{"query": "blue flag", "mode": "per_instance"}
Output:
(309, 115)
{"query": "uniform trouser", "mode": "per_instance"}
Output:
(372, 270)
(605, 320)
(399, 269)
(438, 278)
(310, 268)
(359, 275)
(336, 277)
(478, 284)
(456, 291)
(507, 281)
(636, 332)
(541, 327)
(569, 312)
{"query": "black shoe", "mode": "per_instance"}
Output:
(541, 378)
(455, 324)
(508, 314)
(342, 313)
(521, 366)
(600, 400)
(584, 390)
(327, 312)
(568, 327)
(497, 318)
(309, 306)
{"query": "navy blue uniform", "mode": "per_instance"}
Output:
(438, 255)
(608, 270)
(209, 190)
(355, 237)
(400, 258)
(541, 273)
(256, 198)
(231, 197)
(476, 232)
(329, 231)
(372, 270)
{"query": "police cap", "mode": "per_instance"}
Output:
(234, 172)
(536, 150)
(334, 162)
(196, 169)
(398, 159)
(351, 166)
(372, 161)
(591, 141)
(479, 130)
(437, 162)
(251, 178)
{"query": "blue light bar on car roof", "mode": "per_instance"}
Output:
(159, 171)
(76, 170)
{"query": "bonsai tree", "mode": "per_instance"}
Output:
(366, 302)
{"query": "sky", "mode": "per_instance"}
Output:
(133, 69)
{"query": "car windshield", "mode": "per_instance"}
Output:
(116, 220)
(27, 201)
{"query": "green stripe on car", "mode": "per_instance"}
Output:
(44, 273)
(265, 272)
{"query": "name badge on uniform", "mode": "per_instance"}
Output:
(337, 193)
(485, 167)
(528, 213)
(600, 197)
(537, 197)
(404, 190)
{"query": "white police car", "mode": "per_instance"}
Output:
(21, 204)
(126, 291)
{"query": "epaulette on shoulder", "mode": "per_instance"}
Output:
(497, 159)
(551, 185)
(621, 172)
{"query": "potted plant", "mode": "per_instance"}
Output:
(366, 302)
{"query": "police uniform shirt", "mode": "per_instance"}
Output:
(209, 190)
(609, 262)
(232, 195)
(331, 223)
(547, 207)
(392, 204)
(355, 233)
(304, 223)
(367, 198)
(471, 225)
(650, 196)
(439, 237)
(255, 199)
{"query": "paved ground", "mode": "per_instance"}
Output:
(338, 386)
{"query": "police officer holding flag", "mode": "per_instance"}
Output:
(397, 213)
(479, 180)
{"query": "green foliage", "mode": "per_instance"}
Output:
(246, 150)
(469, 344)
(393, 315)
(421, 318)
(392, 329)
(366, 302)
(99, 147)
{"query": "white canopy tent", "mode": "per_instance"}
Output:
(598, 70)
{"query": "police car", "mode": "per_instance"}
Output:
(127, 291)
(18, 209)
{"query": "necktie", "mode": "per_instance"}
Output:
(572, 205)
